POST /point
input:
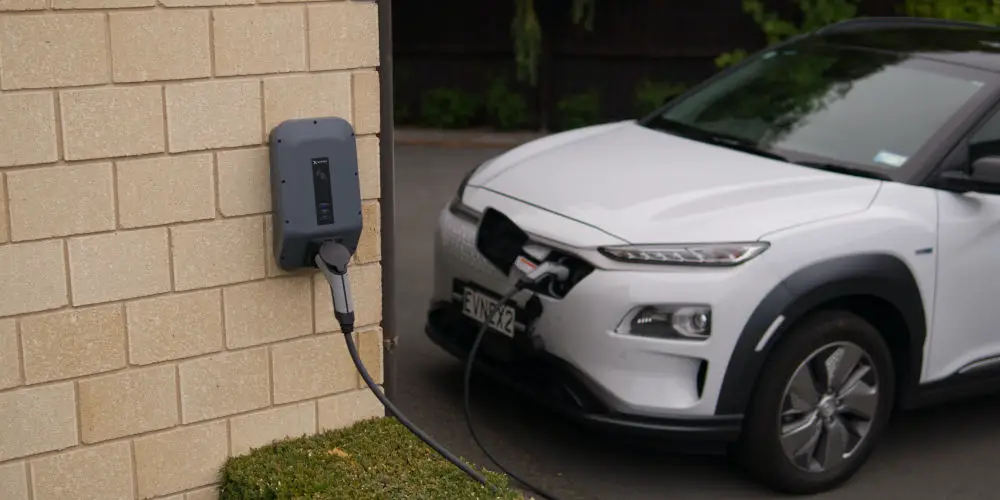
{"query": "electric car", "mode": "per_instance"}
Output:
(780, 258)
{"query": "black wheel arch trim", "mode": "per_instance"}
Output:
(881, 275)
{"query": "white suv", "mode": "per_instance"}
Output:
(779, 258)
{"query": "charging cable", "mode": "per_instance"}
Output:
(333, 258)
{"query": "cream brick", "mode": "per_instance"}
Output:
(174, 326)
(366, 288)
(72, 343)
(110, 122)
(369, 170)
(28, 121)
(255, 430)
(304, 96)
(216, 114)
(101, 4)
(128, 403)
(267, 311)
(53, 50)
(370, 350)
(60, 201)
(367, 117)
(210, 493)
(218, 253)
(258, 41)
(22, 5)
(202, 3)
(158, 45)
(343, 35)
(98, 472)
(119, 265)
(244, 182)
(4, 225)
(37, 419)
(33, 277)
(10, 359)
(311, 367)
(14, 481)
(180, 459)
(273, 269)
(164, 190)
(224, 384)
(370, 244)
(343, 410)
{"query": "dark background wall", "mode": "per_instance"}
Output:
(466, 44)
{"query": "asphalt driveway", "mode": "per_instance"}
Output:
(950, 452)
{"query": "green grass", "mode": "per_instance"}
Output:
(373, 459)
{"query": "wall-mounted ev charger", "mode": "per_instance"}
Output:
(317, 223)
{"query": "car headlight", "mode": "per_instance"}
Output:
(709, 254)
(684, 322)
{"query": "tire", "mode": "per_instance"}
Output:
(761, 450)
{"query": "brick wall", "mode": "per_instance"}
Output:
(146, 333)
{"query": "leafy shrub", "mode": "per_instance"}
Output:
(977, 11)
(373, 459)
(649, 95)
(448, 108)
(815, 15)
(507, 109)
(578, 110)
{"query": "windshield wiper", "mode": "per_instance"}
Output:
(841, 169)
(744, 146)
(731, 142)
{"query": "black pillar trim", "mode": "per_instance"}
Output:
(388, 197)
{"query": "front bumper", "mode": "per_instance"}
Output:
(556, 385)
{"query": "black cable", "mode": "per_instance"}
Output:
(399, 415)
(468, 382)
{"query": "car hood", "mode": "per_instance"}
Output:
(645, 186)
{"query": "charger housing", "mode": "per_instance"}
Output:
(315, 189)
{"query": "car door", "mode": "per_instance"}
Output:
(966, 324)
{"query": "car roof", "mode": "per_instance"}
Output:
(953, 42)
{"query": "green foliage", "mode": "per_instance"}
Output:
(506, 109)
(373, 459)
(978, 11)
(649, 95)
(815, 14)
(578, 110)
(526, 32)
(448, 108)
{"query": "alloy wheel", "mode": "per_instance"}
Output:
(828, 407)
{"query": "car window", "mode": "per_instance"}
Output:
(843, 106)
(986, 140)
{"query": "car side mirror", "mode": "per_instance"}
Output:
(983, 178)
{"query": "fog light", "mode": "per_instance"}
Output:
(677, 322)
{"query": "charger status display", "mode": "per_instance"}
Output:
(322, 187)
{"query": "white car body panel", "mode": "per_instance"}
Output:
(645, 186)
(633, 185)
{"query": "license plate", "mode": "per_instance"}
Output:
(478, 306)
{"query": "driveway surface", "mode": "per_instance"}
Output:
(950, 452)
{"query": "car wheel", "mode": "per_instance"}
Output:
(823, 399)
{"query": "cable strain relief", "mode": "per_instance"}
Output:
(346, 321)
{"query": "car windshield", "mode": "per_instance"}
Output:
(840, 108)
